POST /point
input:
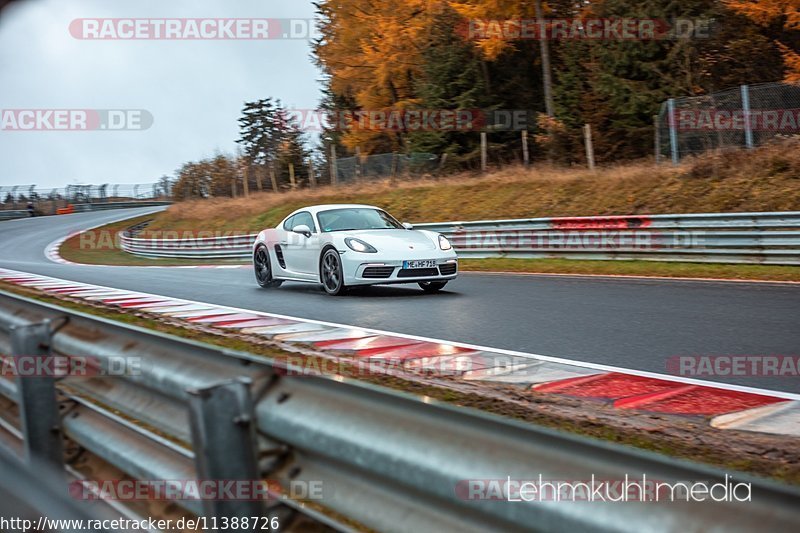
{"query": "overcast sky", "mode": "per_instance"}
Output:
(193, 89)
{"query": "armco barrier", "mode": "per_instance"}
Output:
(11, 215)
(84, 208)
(759, 238)
(385, 461)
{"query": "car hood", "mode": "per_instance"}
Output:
(394, 239)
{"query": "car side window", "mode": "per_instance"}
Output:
(288, 224)
(304, 218)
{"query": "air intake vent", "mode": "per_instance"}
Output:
(418, 273)
(378, 272)
(279, 255)
(448, 269)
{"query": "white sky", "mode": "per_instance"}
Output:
(193, 89)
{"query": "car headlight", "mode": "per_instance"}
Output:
(444, 244)
(358, 245)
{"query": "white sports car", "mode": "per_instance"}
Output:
(344, 246)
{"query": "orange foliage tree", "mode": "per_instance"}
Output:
(371, 51)
(768, 12)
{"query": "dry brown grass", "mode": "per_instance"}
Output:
(766, 179)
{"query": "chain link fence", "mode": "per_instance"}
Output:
(378, 166)
(15, 197)
(743, 117)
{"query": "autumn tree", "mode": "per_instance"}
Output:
(370, 50)
(781, 19)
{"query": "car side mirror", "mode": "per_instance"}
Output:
(302, 229)
(407, 225)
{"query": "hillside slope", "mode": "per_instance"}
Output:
(766, 179)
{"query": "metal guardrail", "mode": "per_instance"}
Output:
(758, 238)
(386, 461)
(11, 215)
(84, 208)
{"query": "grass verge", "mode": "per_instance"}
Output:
(764, 179)
(101, 247)
(634, 268)
(683, 437)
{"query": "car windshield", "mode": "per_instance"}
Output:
(358, 218)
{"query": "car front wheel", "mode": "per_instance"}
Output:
(263, 268)
(331, 273)
(432, 286)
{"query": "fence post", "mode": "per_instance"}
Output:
(587, 134)
(657, 138)
(334, 166)
(272, 177)
(673, 131)
(312, 177)
(442, 162)
(224, 442)
(484, 152)
(38, 403)
(358, 163)
(748, 127)
(526, 156)
(395, 160)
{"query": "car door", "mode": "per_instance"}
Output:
(302, 251)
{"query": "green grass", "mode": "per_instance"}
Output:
(634, 268)
(100, 247)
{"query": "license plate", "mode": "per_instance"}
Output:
(419, 264)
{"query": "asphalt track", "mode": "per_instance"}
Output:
(630, 323)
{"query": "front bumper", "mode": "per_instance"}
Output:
(359, 270)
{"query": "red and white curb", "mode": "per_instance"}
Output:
(724, 406)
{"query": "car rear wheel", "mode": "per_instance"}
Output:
(432, 286)
(263, 268)
(331, 273)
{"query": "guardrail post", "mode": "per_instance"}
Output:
(38, 404)
(224, 440)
